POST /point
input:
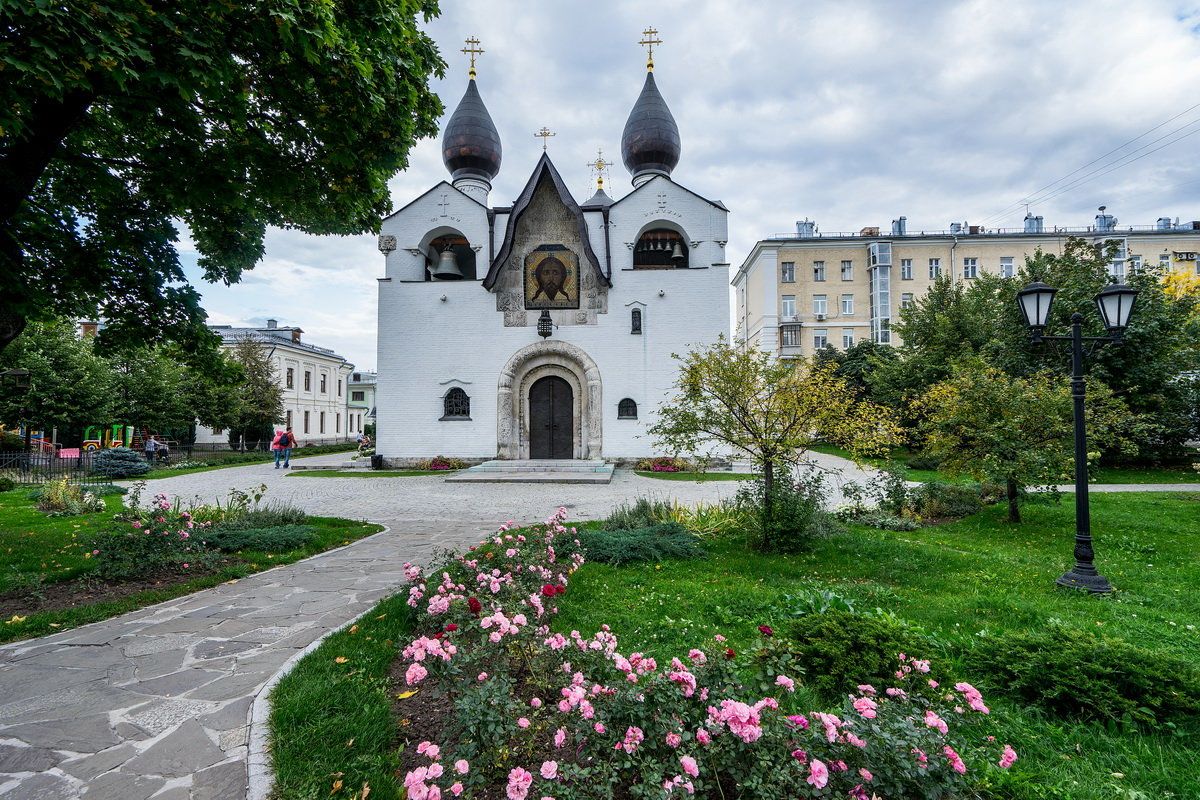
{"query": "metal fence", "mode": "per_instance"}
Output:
(35, 468)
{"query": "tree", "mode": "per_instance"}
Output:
(149, 390)
(857, 363)
(259, 398)
(769, 410)
(1018, 431)
(69, 383)
(116, 119)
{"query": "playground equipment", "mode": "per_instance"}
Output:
(96, 437)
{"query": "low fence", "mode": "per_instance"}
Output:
(42, 467)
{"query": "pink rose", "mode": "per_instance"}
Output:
(1008, 757)
(549, 770)
(689, 766)
(785, 682)
(818, 774)
(462, 767)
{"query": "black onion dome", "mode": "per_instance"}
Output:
(470, 144)
(650, 142)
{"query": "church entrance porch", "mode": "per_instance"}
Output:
(551, 406)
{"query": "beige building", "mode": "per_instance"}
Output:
(798, 292)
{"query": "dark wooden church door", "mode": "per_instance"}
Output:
(551, 404)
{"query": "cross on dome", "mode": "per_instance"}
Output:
(649, 39)
(472, 49)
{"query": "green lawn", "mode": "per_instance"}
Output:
(699, 477)
(38, 551)
(962, 582)
(369, 473)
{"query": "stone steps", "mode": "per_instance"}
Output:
(536, 471)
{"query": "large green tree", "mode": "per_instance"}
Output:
(69, 384)
(259, 398)
(120, 117)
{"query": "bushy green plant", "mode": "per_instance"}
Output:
(441, 464)
(7, 484)
(888, 522)
(643, 512)
(924, 461)
(788, 515)
(1078, 674)
(119, 462)
(278, 539)
(842, 649)
(63, 499)
(722, 518)
(663, 464)
(655, 543)
(938, 500)
(157, 540)
(272, 515)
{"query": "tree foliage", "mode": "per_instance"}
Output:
(746, 402)
(68, 383)
(118, 118)
(259, 398)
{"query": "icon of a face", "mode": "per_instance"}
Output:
(550, 276)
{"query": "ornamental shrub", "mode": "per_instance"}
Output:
(841, 649)
(7, 484)
(1078, 674)
(663, 464)
(939, 500)
(119, 462)
(793, 514)
(924, 461)
(441, 463)
(63, 499)
(538, 713)
(655, 543)
(644, 512)
(279, 539)
(157, 540)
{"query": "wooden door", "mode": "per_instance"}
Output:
(551, 423)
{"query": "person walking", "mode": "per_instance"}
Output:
(283, 444)
(151, 447)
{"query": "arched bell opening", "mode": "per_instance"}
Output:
(660, 248)
(449, 257)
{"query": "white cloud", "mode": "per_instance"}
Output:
(848, 113)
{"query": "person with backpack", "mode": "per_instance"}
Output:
(282, 445)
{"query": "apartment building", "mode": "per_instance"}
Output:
(314, 381)
(798, 292)
(361, 405)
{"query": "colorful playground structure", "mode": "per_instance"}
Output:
(96, 437)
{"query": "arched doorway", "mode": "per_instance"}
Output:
(551, 418)
(514, 416)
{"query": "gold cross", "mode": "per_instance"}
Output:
(649, 39)
(545, 134)
(599, 166)
(473, 50)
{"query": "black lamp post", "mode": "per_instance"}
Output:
(1115, 304)
(18, 380)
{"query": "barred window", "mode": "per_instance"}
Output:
(627, 409)
(636, 321)
(456, 404)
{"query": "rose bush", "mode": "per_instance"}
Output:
(545, 714)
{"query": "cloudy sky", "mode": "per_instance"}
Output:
(848, 113)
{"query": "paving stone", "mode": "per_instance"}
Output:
(46, 786)
(237, 737)
(184, 751)
(155, 665)
(122, 786)
(222, 782)
(175, 683)
(217, 648)
(159, 716)
(79, 735)
(88, 768)
(232, 715)
(26, 759)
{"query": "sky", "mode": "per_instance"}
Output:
(847, 113)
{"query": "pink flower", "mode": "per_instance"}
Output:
(865, 706)
(482, 677)
(799, 721)
(785, 682)
(800, 756)
(866, 775)
(934, 721)
(854, 740)
(429, 750)
(674, 740)
(865, 688)
(560, 737)
(973, 697)
(456, 789)
(522, 723)
(415, 674)
(702, 736)
(549, 770)
(818, 774)
(956, 762)
(462, 767)
(689, 766)
(1008, 757)
(535, 702)
(518, 784)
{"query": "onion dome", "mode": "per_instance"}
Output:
(650, 144)
(470, 144)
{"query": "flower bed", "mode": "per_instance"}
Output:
(524, 712)
(663, 464)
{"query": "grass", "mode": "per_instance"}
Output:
(699, 477)
(373, 473)
(962, 582)
(331, 719)
(37, 550)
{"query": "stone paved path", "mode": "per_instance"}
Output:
(155, 703)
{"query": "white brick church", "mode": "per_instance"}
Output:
(544, 329)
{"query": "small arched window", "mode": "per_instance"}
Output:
(626, 409)
(660, 248)
(456, 404)
(635, 321)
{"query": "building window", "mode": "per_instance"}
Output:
(906, 269)
(790, 336)
(906, 299)
(820, 338)
(970, 267)
(291, 378)
(1007, 270)
(456, 404)
(218, 431)
(635, 321)
(789, 305)
(1164, 260)
(847, 270)
(884, 336)
(660, 248)
(358, 397)
(307, 381)
(306, 422)
(626, 409)
(848, 305)
(847, 338)
(339, 387)
(819, 271)
(288, 419)
(820, 304)
(935, 268)
(1135, 263)
(787, 272)
(321, 422)
(337, 423)
(323, 378)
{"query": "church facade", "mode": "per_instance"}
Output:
(545, 329)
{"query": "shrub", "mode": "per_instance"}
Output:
(842, 649)
(279, 539)
(924, 461)
(7, 484)
(888, 522)
(663, 464)
(1081, 675)
(938, 500)
(62, 499)
(157, 540)
(790, 517)
(725, 517)
(644, 512)
(441, 463)
(119, 462)
(656, 543)
(273, 515)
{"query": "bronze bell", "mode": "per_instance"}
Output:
(677, 253)
(447, 267)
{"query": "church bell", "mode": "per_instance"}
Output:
(447, 267)
(677, 253)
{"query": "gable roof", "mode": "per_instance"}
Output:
(544, 170)
(430, 191)
(714, 203)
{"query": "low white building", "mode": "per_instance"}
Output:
(361, 402)
(314, 381)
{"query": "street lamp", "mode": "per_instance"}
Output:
(1115, 304)
(545, 325)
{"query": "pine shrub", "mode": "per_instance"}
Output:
(649, 544)
(119, 462)
(279, 539)
(644, 512)
(842, 649)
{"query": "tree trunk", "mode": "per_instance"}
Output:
(1014, 511)
(768, 498)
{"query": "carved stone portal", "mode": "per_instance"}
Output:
(538, 360)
